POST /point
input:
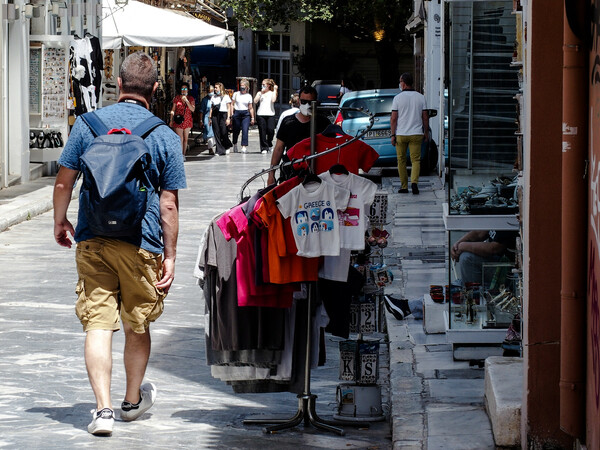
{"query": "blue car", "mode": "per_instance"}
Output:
(379, 103)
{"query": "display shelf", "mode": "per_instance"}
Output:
(456, 222)
(44, 155)
(473, 333)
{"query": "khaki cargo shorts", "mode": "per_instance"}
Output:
(117, 280)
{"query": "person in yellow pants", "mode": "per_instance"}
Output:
(409, 123)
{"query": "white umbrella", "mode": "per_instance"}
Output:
(139, 24)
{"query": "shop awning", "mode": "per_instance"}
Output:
(139, 24)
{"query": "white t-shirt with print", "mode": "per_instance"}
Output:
(313, 209)
(352, 219)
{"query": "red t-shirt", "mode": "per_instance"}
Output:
(357, 155)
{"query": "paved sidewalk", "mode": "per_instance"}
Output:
(437, 403)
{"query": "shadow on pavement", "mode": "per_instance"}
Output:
(77, 415)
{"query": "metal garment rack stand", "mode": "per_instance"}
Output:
(307, 401)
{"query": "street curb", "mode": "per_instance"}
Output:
(407, 419)
(27, 206)
(25, 213)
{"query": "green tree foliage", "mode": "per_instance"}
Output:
(262, 15)
(381, 22)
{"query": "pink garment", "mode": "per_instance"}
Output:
(234, 224)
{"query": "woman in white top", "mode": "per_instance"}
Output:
(243, 114)
(265, 114)
(220, 117)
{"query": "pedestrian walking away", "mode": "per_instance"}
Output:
(265, 114)
(220, 118)
(243, 115)
(409, 125)
(294, 129)
(122, 278)
(181, 115)
(207, 131)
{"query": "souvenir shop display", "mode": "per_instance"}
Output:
(268, 267)
(48, 93)
(48, 83)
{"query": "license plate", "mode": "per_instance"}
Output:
(376, 134)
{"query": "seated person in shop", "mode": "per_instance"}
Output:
(478, 247)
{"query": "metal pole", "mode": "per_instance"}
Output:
(313, 126)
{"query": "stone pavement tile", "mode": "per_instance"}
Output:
(408, 445)
(428, 363)
(447, 420)
(401, 369)
(401, 356)
(403, 404)
(474, 441)
(408, 385)
(408, 427)
(457, 391)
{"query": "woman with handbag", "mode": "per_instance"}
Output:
(181, 115)
(220, 118)
(265, 114)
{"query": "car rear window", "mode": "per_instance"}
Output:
(328, 93)
(376, 105)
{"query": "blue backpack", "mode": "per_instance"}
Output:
(119, 177)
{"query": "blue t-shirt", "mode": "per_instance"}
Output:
(165, 148)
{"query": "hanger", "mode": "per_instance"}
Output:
(332, 130)
(339, 168)
(311, 177)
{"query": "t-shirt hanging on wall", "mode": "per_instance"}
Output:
(86, 63)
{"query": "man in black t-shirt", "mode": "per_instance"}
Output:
(478, 247)
(294, 129)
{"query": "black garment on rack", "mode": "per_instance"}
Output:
(337, 297)
(233, 327)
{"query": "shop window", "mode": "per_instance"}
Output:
(273, 42)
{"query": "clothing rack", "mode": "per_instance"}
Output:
(307, 401)
(313, 155)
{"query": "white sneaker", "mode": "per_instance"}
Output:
(263, 152)
(227, 152)
(131, 412)
(235, 148)
(244, 149)
(102, 421)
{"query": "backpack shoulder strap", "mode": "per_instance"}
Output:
(96, 125)
(147, 126)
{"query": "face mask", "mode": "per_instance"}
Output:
(264, 86)
(243, 89)
(217, 92)
(211, 94)
(400, 86)
(305, 110)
